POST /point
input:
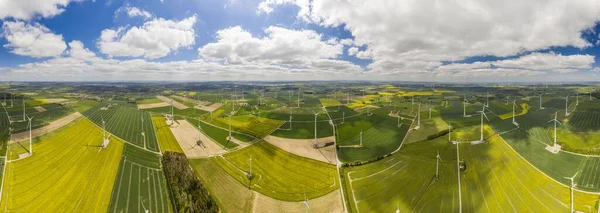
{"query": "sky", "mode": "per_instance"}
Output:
(300, 40)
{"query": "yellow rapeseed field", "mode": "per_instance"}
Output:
(66, 173)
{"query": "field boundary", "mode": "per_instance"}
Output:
(130, 143)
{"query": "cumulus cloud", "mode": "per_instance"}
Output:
(156, 38)
(32, 40)
(397, 33)
(281, 46)
(133, 12)
(28, 9)
(78, 51)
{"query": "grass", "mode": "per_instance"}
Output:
(326, 102)
(220, 135)
(41, 119)
(82, 106)
(126, 123)
(304, 130)
(496, 179)
(140, 183)
(149, 101)
(521, 111)
(68, 164)
(279, 174)
(256, 126)
(222, 186)
(381, 136)
(166, 140)
(428, 127)
(189, 112)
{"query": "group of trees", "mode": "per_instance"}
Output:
(189, 193)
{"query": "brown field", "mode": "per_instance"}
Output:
(175, 103)
(154, 105)
(304, 147)
(187, 135)
(46, 129)
(40, 109)
(210, 108)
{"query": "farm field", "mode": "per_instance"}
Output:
(220, 135)
(496, 179)
(189, 112)
(84, 105)
(149, 101)
(166, 140)
(41, 119)
(69, 163)
(327, 102)
(584, 121)
(304, 130)
(279, 174)
(140, 183)
(126, 123)
(428, 127)
(249, 124)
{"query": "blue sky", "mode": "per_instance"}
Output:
(184, 40)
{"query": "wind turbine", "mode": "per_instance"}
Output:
(555, 148)
(577, 99)
(465, 101)
(298, 97)
(306, 202)
(429, 109)
(316, 114)
(343, 117)
(412, 105)
(290, 122)
(24, 108)
(104, 138)
(143, 133)
(482, 115)
(487, 99)
(437, 165)
(30, 137)
(541, 101)
(230, 114)
(458, 175)
(567, 105)
(419, 116)
(513, 117)
(361, 138)
(449, 132)
(250, 174)
(507, 98)
(172, 117)
(590, 100)
(573, 184)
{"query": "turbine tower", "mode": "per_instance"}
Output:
(437, 165)
(458, 175)
(555, 148)
(577, 99)
(541, 101)
(573, 184)
(481, 129)
(172, 117)
(449, 132)
(316, 114)
(513, 117)
(507, 98)
(419, 116)
(230, 114)
(487, 99)
(30, 137)
(361, 138)
(465, 106)
(24, 108)
(567, 105)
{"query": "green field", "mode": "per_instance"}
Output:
(381, 136)
(279, 174)
(68, 163)
(84, 105)
(249, 124)
(40, 119)
(222, 186)
(428, 127)
(304, 130)
(220, 135)
(166, 140)
(189, 112)
(327, 102)
(140, 183)
(126, 123)
(496, 179)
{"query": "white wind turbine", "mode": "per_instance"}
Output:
(487, 99)
(577, 99)
(437, 165)
(143, 206)
(482, 112)
(556, 147)
(567, 105)
(541, 101)
(316, 114)
(105, 139)
(429, 109)
(573, 184)
(465, 102)
(419, 117)
(513, 117)
(507, 98)
(30, 137)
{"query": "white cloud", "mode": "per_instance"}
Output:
(134, 12)
(548, 61)
(397, 33)
(156, 38)
(32, 40)
(28, 9)
(281, 46)
(78, 51)
(352, 50)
